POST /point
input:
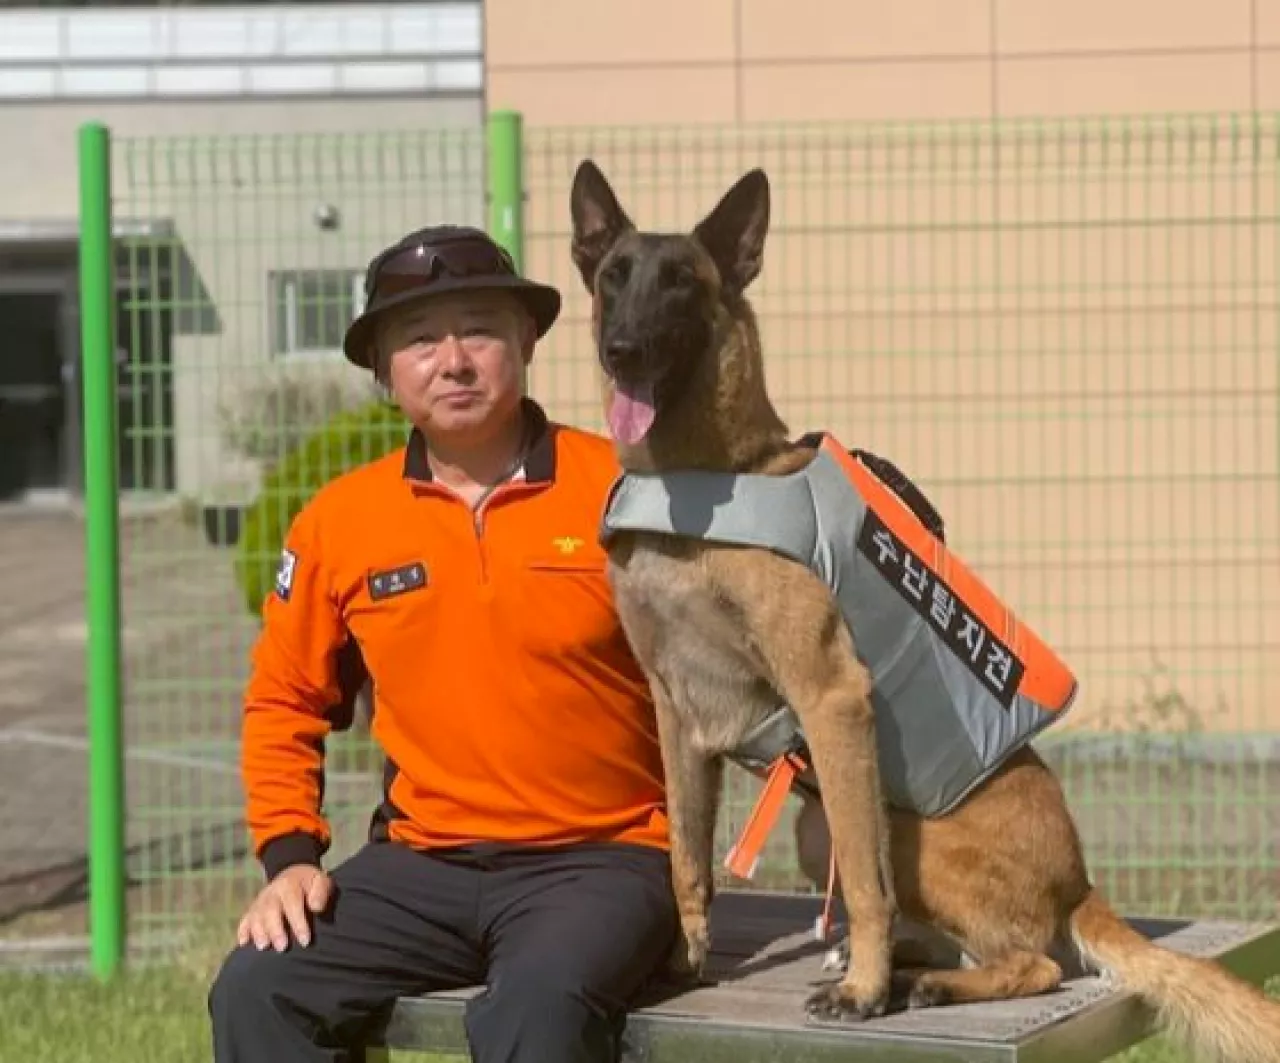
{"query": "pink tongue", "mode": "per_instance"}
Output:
(631, 414)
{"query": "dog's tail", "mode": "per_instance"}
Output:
(1217, 1017)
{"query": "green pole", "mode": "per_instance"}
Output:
(98, 374)
(506, 183)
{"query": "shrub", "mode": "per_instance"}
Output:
(273, 412)
(348, 440)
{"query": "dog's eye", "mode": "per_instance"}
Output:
(678, 274)
(617, 271)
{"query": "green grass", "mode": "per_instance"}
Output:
(158, 1015)
(150, 1014)
(155, 1015)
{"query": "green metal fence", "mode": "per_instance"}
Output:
(1065, 332)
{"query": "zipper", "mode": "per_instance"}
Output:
(503, 491)
(477, 526)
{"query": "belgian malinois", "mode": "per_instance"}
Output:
(725, 633)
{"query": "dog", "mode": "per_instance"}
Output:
(724, 632)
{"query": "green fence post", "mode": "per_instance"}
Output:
(506, 182)
(102, 603)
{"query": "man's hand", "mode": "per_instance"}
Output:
(291, 897)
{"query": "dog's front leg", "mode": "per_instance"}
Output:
(819, 675)
(693, 794)
(840, 726)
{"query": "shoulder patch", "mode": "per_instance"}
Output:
(284, 574)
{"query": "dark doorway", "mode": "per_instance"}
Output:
(33, 393)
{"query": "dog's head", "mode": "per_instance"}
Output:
(662, 302)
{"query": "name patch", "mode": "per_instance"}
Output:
(397, 581)
(984, 654)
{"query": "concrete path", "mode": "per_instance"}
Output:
(186, 638)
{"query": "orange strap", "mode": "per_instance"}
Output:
(743, 858)
(745, 855)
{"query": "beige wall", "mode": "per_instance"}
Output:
(1065, 332)
(240, 194)
(575, 61)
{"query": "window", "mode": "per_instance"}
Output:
(311, 309)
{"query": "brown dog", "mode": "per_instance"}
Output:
(719, 632)
(725, 633)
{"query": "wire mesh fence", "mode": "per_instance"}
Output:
(236, 400)
(1064, 332)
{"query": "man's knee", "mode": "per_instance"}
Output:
(544, 1014)
(247, 981)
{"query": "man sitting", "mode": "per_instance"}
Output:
(522, 840)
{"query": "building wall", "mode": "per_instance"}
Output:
(238, 182)
(580, 61)
(230, 127)
(1060, 326)
(47, 133)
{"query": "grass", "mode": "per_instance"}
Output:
(158, 1015)
(154, 1014)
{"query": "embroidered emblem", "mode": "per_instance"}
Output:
(284, 574)
(567, 544)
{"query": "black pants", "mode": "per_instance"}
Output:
(562, 940)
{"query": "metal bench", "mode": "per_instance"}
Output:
(766, 960)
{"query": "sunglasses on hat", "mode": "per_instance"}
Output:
(424, 264)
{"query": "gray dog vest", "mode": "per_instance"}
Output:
(958, 682)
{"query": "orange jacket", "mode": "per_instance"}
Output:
(507, 700)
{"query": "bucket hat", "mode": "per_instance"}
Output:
(434, 261)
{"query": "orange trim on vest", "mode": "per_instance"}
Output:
(1046, 679)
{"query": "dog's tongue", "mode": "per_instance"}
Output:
(631, 414)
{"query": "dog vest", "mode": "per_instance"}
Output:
(959, 683)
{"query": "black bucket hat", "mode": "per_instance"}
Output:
(436, 260)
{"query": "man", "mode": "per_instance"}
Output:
(522, 842)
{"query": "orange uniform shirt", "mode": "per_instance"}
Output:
(506, 697)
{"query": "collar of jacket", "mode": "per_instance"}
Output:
(539, 463)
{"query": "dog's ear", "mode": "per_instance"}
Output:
(598, 220)
(733, 233)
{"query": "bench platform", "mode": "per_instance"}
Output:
(766, 961)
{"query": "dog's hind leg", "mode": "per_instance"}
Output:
(1015, 974)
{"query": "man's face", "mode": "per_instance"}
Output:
(455, 361)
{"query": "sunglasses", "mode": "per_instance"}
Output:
(423, 265)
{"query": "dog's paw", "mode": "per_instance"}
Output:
(836, 1002)
(689, 953)
(928, 993)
